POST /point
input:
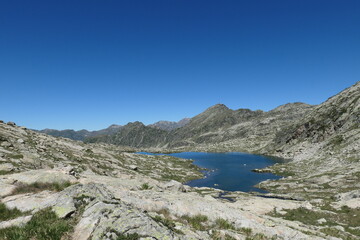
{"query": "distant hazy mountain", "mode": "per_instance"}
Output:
(280, 131)
(215, 125)
(168, 125)
(81, 134)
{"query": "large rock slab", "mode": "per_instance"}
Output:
(101, 218)
(17, 222)
(6, 189)
(40, 176)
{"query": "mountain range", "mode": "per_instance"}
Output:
(283, 131)
(105, 190)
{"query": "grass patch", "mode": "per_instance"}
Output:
(197, 221)
(15, 156)
(257, 236)
(337, 140)
(167, 222)
(145, 186)
(44, 225)
(121, 236)
(2, 172)
(346, 217)
(223, 224)
(133, 236)
(218, 236)
(7, 214)
(38, 187)
(246, 231)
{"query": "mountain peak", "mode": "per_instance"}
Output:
(218, 106)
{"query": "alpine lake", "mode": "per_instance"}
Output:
(230, 171)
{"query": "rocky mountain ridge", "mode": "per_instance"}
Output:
(81, 134)
(104, 191)
(215, 125)
(65, 189)
(169, 125)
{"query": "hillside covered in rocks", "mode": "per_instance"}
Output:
(57, 188)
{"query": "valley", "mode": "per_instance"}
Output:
(100, 188)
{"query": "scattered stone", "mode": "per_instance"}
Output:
(65, 210)
(321, 221)
(340, 228)
(20, 141)
(6, 144)
(133, 167)
(174, 186)
(11, 124)
(7, 167)
(307, 205)
(269, 223)
(348, 196)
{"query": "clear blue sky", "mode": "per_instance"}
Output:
(88, 64)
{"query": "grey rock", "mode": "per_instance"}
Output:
(11, 124)
(6, 144)
(321, 221)
(133, 167)
(174, 186)
(7, 167)
(17, 222)
(348, 196)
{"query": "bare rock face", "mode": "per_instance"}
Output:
(175, 186)
(7, 167)
(17, 222)
(101, 218)
(11, 124)
(40, 176)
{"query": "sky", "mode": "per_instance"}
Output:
(87, 64)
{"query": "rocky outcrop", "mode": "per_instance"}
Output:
(107, 207)
(134, 134)
(168, 125)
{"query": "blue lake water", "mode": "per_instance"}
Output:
(230, 171)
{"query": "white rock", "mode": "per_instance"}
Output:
(17, 222)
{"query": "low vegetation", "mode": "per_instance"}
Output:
(7, 214)
(331, 218)
(197, 221)
(167, 222)
(223, 224)
(145, 186)
(44, 225)
(38, 187)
